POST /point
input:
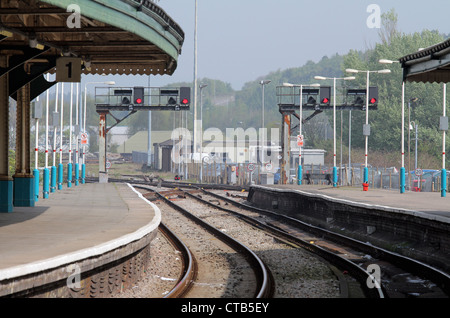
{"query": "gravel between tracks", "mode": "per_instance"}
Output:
(298, 273)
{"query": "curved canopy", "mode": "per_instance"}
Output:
(111, 37)
(428, 65)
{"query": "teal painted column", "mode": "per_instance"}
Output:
(46, 186)
(69, 175)
(83, 173)
(60, 176)
(36, 184)
(24, 191)
(53, 180)
(335, 177)
(77, 174)
(402, 180)
(6, 196)
(299, 175)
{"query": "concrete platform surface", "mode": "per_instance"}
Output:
(74, 223)
(426, 204)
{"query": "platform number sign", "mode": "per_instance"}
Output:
(68, 69)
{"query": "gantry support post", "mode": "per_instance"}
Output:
(102, 171)
(286, 148)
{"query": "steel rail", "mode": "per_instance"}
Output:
(189, 270)
(264, 278)
(356, 271)
(421, 269)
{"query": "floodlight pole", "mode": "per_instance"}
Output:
(366, 127)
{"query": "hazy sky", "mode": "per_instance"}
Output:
(241, 40)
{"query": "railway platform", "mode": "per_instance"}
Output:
(416, 224)
(424, 204)
(99, 229)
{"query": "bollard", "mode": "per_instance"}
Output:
(335, 177)
(402, 180)
(53, 182)
(46, 186)
(366, 175)
(36, 184)
(299, 175)
(83, 173)
(60, 176)
(77, 173)
(69, 175)
(443, 183)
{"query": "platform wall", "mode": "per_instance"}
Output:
(419, 237)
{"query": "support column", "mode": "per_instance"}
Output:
(6, 182)
(286, 148)
(23, 177)
(102, 172)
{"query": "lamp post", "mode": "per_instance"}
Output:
(299, 171)
(409, 139)
(83, 165)
(55, 128)
(202, 86)
(46, 181)
(77, 165)
(349, 78)
(366, 127)
(402, 169)
(263, 84)
(413, 125)
(69, 165)
(60, 166)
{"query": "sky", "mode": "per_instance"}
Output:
(242, 40)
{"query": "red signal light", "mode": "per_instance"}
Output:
(373, 100)
(185, 101)
(325, 101)
(138, 101)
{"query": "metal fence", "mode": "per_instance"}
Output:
(382, 178)
(379, 177)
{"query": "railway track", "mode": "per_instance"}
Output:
(213, 251)
(380, 273)
(299, 273)
(396, 275)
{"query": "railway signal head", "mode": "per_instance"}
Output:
(125, 101)
(373, 96)
(138, 96)
(185, 96)
(325, 95)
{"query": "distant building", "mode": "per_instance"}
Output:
(118, 135)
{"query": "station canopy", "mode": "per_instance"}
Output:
(428, 65)
(111, 37)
